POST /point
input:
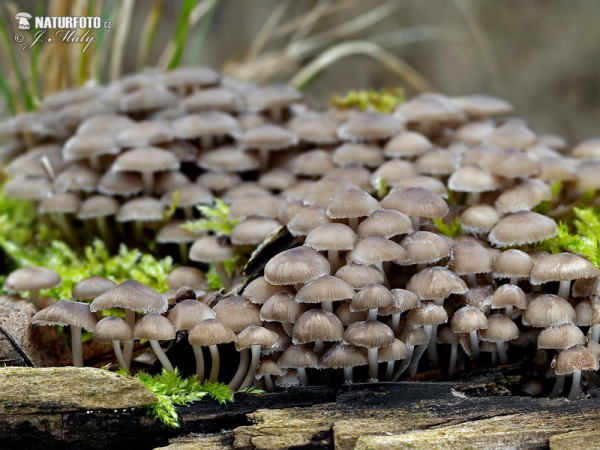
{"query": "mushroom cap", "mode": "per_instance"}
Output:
(512, 135)
(66, 312)
(509, 163)
(255, 335)
(97, 206)
(148, 98)
(131, 295)
(173, 233)
(513, 263)
(237, 312)
(228, 159)
(81, 146)
(155, 327)
(393, 352)
(500, 328)
(394, 171)
(548, 310)
(416, 202)
(374, 250)
(189, 195)
(144, 133)
(186, 314)
(437, 162)
(281, 307)
(406, 145)
(351, 204)
(248, 206)
(190, 76)
(473, 179)
(112, 328)
(342, 355)
(414, 335)
(143, 209)
(211, 249)
(370, 297)
(524, 196)
(561, 336)
(467, 319)
(575, 358)
(314, 128)
(524, 227)
(296, 356)
(369, 334)
(296, 265)
(91, 287)
(267, 137)
(479, 105)
(436, 283)
(331, 236)
(385, 223)
(269, 366)
(28, 188)
(253, 230)
(32, 278)
(120, 183)
(479, 219)
(317, 325)
(211, 332)
(403, 301)
(145, 159)
(562, 267)
(186, 276)
(307, 219)
(509, 294)
(430, 108)
(218, 98)
(347, 316)
(359, 276)
(312, 163)
(353, 154)
(325, 288)
(370, 125)
(468, 257)
(428, 313)
(424, 247)
(259, 290)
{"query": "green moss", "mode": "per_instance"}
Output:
(215, 218)
(451, 230)
(383, 101)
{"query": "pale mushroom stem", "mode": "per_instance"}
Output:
(416, 357)
(404, 364)
(199, 362)
(432, 345)
(319, 347)
(216, 361)
(184, 253)
(353, 223)
(395, 323)
(501, 346)
(372, 314)
(76, 346)
(66, 228)
(95, 163)
(263, 156)
(234, 384)
(161, 355)
(225, 279)
(104, 232)
(334, 260)
(471, 279)
(128, 346)
(453, 358)
(595, 332)
(474, 198)
(474, 345)
(301, 374)
(148, 179)
(508, 311)
(34, 298)
(416, 223)
(564, 289)
(326, 306)
(206, 142)
(255, 350)
(119, 354)
(558, 386)
(372, 354)
(268, 383)
(348, 375)
(574, 392)
(386, 283)
(389, 370)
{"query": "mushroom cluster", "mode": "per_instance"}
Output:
(371, 281)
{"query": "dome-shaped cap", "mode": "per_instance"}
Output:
(112, 328)
(131, 295)
(296, 265)
(66, 312)
(211, 332)
(369, 334)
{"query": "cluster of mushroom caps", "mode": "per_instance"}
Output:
(322, 175)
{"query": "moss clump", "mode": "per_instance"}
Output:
(383, 101)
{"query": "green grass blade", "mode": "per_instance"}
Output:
(181, 32)
(101, 46)
(149, 32)
(34, 80)
(9, 98)
(24, 90)
(198, 43)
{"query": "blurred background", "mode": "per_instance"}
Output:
(542, 56)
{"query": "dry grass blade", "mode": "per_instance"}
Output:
(353, 48)
(310, 19)
(118, 45)
(311, 45)
(149, 32)
(421, 33)
(267, 30)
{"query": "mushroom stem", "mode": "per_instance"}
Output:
(128, 346)
(373, 364)
(326, 306)
(199, 362)
(416, 223)
(395, 323)
(148, 179)
(319, 347)
(386, 283)
(508, 311)
(119, 354)
(453, 358)
(268, 383)
(353, 223)
(161, 355)
(389, 370)
(474, 197)
(432, 345)
(66, 228)
(234, 384)
(372, 314)
(416, 357)
(595, 332)
(474, 345)
(255, 349)
(225, 279)
(76, 347)
(404, 364)
(501, 346)
(574, 392)
(471, 279)
(216, 361)
(348, 375)
(34, 297)
(558, 386)
(301, 374)
(564, 289)
(334, 260)
(104, 232)
(263, 156)
(184, 253)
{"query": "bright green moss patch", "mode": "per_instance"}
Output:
(383, 101)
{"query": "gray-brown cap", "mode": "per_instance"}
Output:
(393, 352)
(372, 296)
(473, 179)
(352, 203)
(253, 230)
(131, 295)
(422, 181)
(314, 128)
(312, 163)
(375, 250)
(416, 202)
(145, 160)
(513, 134)
(296, 356)
(153, 326)
(326, 288)
(430, 108)
(211, 332)
(32, 278)
(359, 275)
(500, 328)
(260, 290)
(66, 312)
(561, 336)
(296, 265)
(428, 313)
(61, 203)
(385, 223)
(186, 276)
(424, 247)
(76, 178)
(91, 287)
(479, 219)
(524, 227)
(145, 133)
(317, 325)
(186, 314)
(469, 257)
(28, 188)
(282, 307)
(437, 162)
(513, 263)
(228, 159)
(588, 149)
(211, 249)
(120, 183)
(509, 163)
(256, 335)
(354, 154)
(369, 334)
(89, 146)
(548, 310)
(403, 301)
(189, 77)
(342, 355)
(436, 283)
(467, 319)
(147, 209)
(208, 123)
(267, 137)
(509, 295)
(562, 267)
(524, 196)
(370, 126)
(244, 207)
(575, 358)
(331, 236)
(104, 123)
(480, 105)
(473, 133)
(406, 145)
(112, 328)
(148, 98)
(237, 312)
(218, 98)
